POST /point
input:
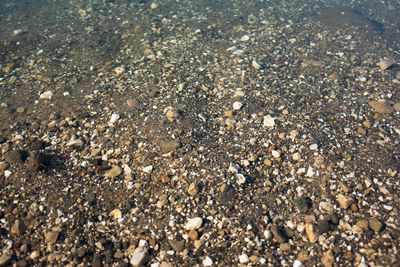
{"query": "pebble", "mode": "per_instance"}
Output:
(237, 105)
(207, 261)
(113, 172)
(169, 145)
(269, 121)
(344, 201)
(198, 243)
(140, 256)
(328, 259)
(311, 232)
(244, 259)
(381, 107)
(245, 38)
(51, 237)
(254, 258)
(4, 259)
(296, 156)
(303, 204)
(75, 143)
(193, 234)
(114, 118)
(177, 245)
(375, 225)
(171, 114)
(153, 5)
(119, 70)
(18, 227)
(13, 157)
(3, 165)
(46, 95)
(255, 65)
(193, 189)
(148, 169)
(117, 214)
(194, 223)
(275, 153)
(386, 63)
(297, 263)
(278, 234)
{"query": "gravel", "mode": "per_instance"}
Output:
(193, 133)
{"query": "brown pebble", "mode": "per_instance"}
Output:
(381, 106)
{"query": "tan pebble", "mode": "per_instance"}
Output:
(198, 243)
(381, 106)
(334, 76)
(171, 114)
(361, 131)
(303, 255)
(268, 162)
(344, 201)
(117, 214)
(51, 237)
(193, 234)
(285, 246)
(363, 224)
(311, 231)
(328, 259)
(192, 190)
(367, 124)
(20, 109)
(254, 258)
(228, 114)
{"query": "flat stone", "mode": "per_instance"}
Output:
(328, 259)
(177, 245)
(140, 256)
(226, 196)
(13, 157)
(344, 201)
(4, 259)
(303, 204)
(18, 227)
(375, 225)
(381, 106)
(113, 172)
(169, 145)
(384, 64)
(243, 259)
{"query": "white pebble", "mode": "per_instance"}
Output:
(275, 153)
(233, 168)
(17, 31)
(269, 121)
(241, 179)
(114, 117)
(148, 169)
(46, 95)
(296, 156)
(140, 256)
(153, 5)
(7, 173)
(207, 261)
(245, 38)
(255, 65)
(237, 105)
(313, 147)
(297, 263)
(119, 70)
(194, 223)
(243, 258)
